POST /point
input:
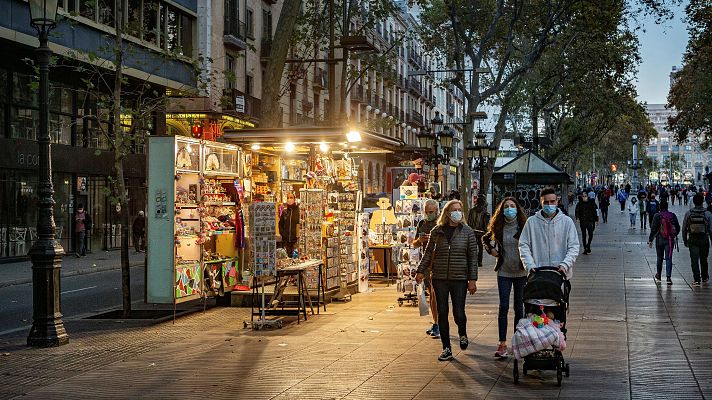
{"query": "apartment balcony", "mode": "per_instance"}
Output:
(357, 94)
(235, 34)
(400, 82)
(415, 86)
(383, 104)
(242, 103)
(415, 119)
(321, 79)
(415, 57)
(265, 49)
(451, 109)
(396, 113)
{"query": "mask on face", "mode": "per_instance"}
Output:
(456, 216)
(510, 213)
(549, 209)
(290, 201)
(432, 216)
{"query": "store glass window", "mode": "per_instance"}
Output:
(60, 129)
(106, 12)
(23, 90)
(133, 21)
(24, 123)
(150, 21)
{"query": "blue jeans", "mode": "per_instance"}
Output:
(456, 290)
(505, 287)
(81, 244)
(633, 215)
(662, 252)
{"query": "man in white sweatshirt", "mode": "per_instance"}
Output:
(549, 238)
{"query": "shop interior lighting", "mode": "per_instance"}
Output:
(188, 149)
(255, 146)
(353, 136)
(323, 147)
(289, 147)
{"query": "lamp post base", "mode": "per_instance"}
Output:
(47, 325)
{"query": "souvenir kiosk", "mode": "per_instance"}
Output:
(195, 224)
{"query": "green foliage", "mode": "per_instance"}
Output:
(691, 93)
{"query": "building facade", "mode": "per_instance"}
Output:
(82, 161)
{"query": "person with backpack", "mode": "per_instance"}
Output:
(664, 230)
(652, 206)
(622, 198)
(604, 201)
(696, 235)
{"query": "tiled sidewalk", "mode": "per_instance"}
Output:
(628, 338)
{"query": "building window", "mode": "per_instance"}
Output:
(179, 32)
(652, 148)
(229, 72)
(688, 147)
(250, 23)
(249, 84)
(266, 24)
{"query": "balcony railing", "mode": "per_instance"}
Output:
(357, 94)
(235, 32)
(244, 103)
(416, 119)
(321, 80)
(415, 86)
(265, 49)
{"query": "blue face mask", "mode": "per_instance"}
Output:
(549, 209)
(510, 213)
(456, 216)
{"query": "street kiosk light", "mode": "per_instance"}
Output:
(480, 153)
(46, 253)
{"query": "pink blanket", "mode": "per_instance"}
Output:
(529, 339)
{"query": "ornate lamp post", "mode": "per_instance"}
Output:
(480, 153)
(635, 164)
(46, 253)
(436, 140)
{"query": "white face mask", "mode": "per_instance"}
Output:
(456, 216)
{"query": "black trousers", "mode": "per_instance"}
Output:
(457, 291)
(587, 229)
(604, 214)
(479, 250)
(699, 251)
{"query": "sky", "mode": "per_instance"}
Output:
(661, 47)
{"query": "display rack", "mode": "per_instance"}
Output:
(192, 212)
(408, 214)
(263, 248)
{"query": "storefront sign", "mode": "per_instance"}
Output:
(27, 160)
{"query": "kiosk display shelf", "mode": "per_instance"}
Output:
(192, 210)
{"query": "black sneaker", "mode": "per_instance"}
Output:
(669, 281)
(464, 342)
(696, 283)
(657, 277)
(446, 355)
(705, 280)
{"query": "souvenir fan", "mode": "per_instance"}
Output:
(183, 158)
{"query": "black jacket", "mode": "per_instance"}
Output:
(478, 220)
(451, 260)
(586, 211)
(288, 222)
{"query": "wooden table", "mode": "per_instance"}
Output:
(303, 297)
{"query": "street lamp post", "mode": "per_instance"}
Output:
(635, 164)
(46, 253)
(436, 140)
(480, 153)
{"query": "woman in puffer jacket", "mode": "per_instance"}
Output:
(451, 253)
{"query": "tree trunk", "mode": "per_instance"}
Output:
(271, 111)
(121, 144)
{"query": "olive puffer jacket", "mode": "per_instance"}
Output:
(453, 260)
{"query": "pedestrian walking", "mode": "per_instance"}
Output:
(622, 198)
(289, 225)
(587, 215)
(684, 196)
(652, 206)
(451, 256)
(502, 242)
(633, 210)
(673, 195)
(690, 194)
(664, 230)
(549, 238)
(478, 219)
(80, 228)
(696, 235)
(603, 204)
(138, 231)
(643, 210)
(431, 210)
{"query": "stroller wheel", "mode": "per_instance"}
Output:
(515, 371)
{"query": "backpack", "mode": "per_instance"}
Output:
(697, 223)
(667, 228)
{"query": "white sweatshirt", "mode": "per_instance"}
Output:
(549, 242)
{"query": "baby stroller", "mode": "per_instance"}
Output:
(546, 290)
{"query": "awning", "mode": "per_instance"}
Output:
(301, 137)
